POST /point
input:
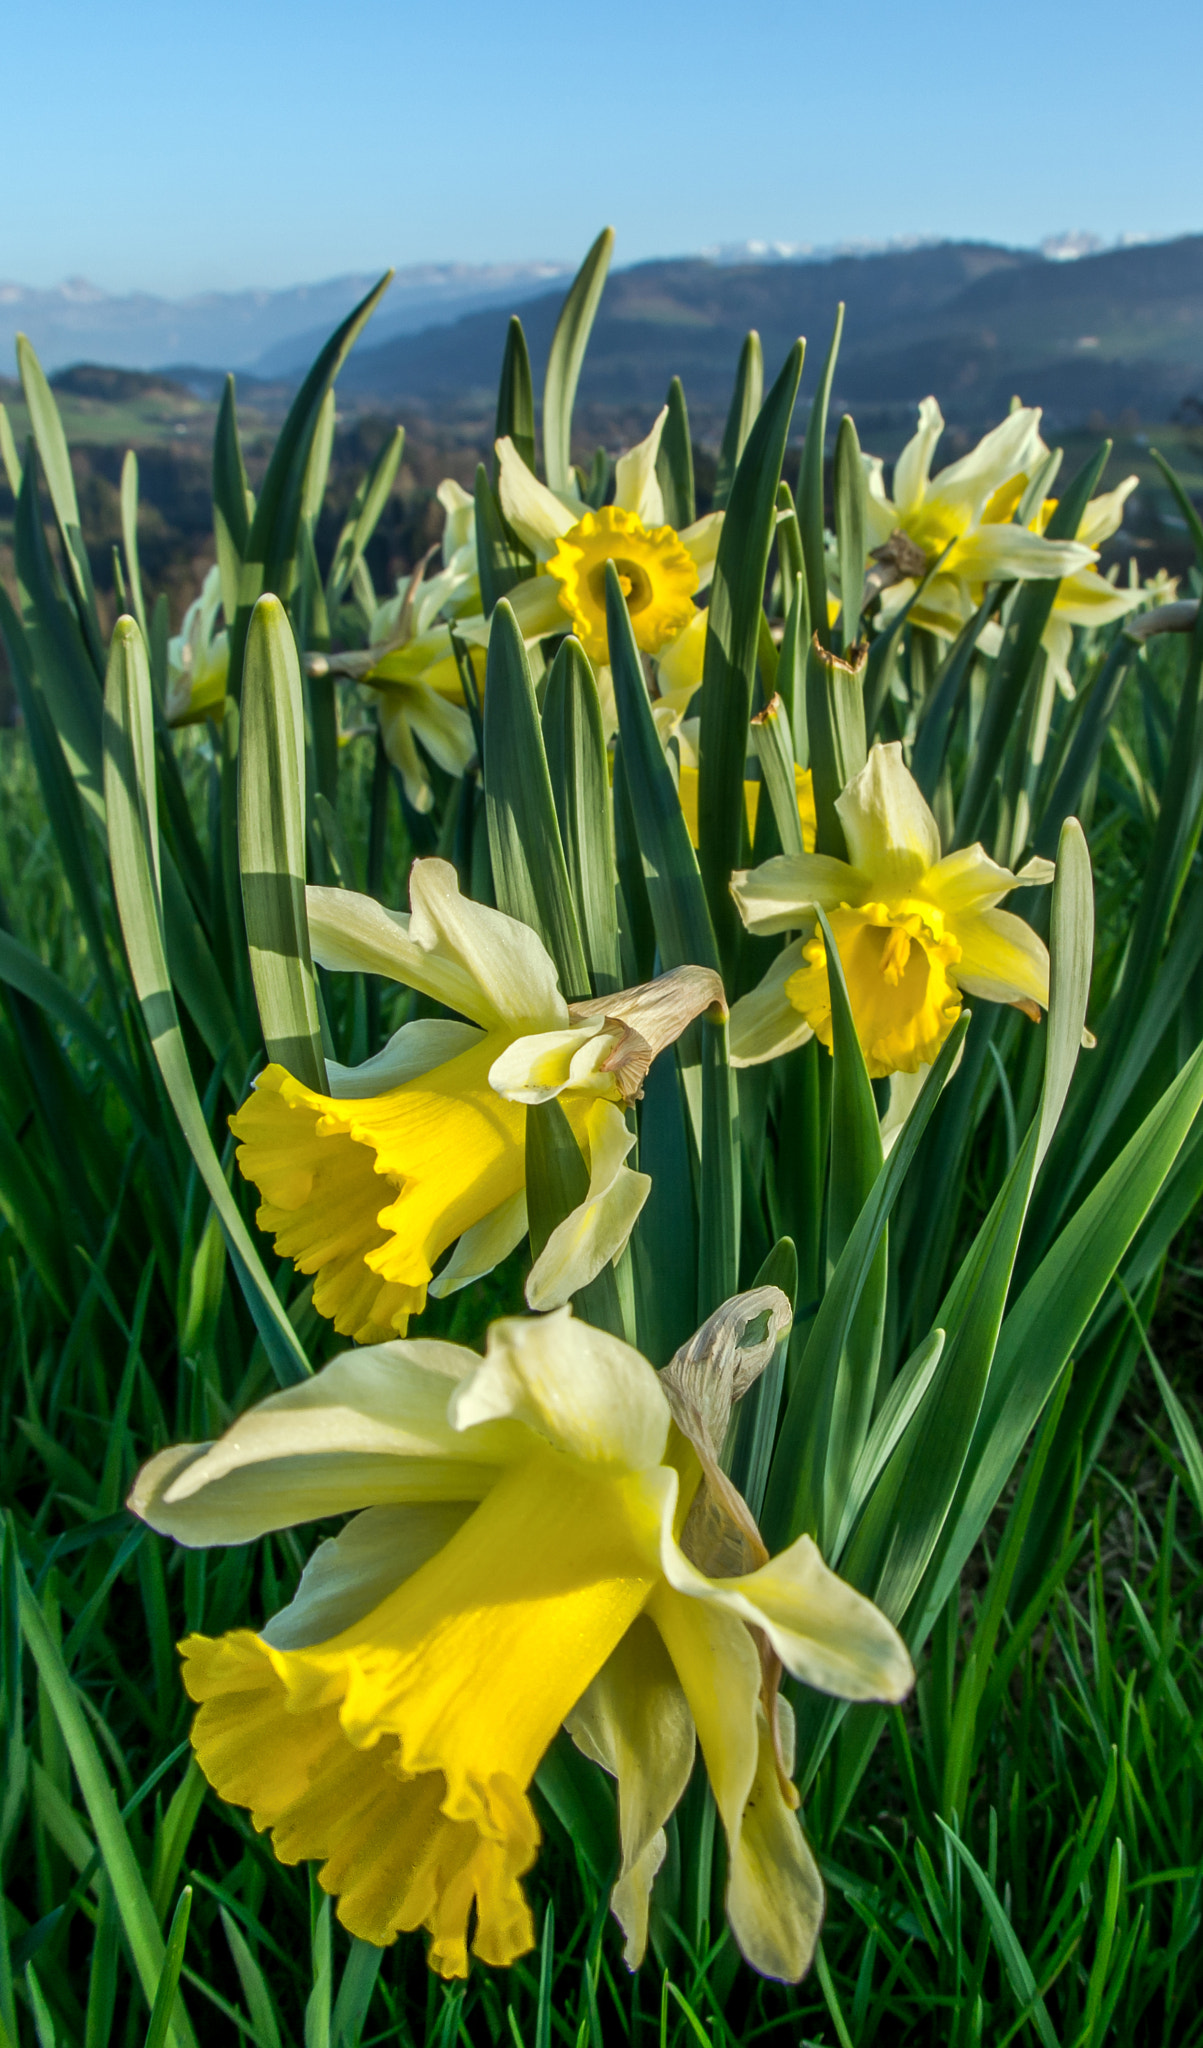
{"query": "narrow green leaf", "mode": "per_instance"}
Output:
(835, 721)
(754, 1427)
(810, 489)
(8, 453)
(129, 539)
(773, 741)
(271, 846)
(575, 740)
(134, 852)
(65, 671)
(746, 399)
(732, 639)
(231, 501)
(265, 2027)
(515, 395)
(568, 346)
(529, 869)
(684, 933)
(47, 429)
(133, 1901)
(355, 1993)
(674, 463)
(165, 1996)
(1015, 1962)
(665, 1242)
(850, 527)
(498, 563)
(364, 517)
(719, 1231)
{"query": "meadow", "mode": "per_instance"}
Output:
(975, 1252)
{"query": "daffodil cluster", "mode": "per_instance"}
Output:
(539, 1537)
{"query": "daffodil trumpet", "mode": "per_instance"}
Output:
(422, 1147)
(915, 932)
(539, 1537)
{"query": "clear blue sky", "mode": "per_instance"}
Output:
(179, 146)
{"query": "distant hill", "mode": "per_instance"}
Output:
(1118, 331)
(274, 333)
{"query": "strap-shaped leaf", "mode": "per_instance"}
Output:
(231, 501)
(835, 723)
(746, 398)
(65, 672)
(575, 739)
(674, 463)
(773, 741)
(498, 561)
(271, 845)
(47, 429)
(719, 1187)
(515, 395)
(684, 933)
(8, 453)
(364, 517)
(134, 853)
(810, 489)
(732, 640)
(850, 527)
(568, 345)
(129, 539)
(529, 869)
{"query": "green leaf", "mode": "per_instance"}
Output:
(265, 2027)
(165, 1996)
(129, 539)
(773, 741)
(47, 429)
(835, 721)
(498, 562)
(754, 1427)
(364, 517)
(850, 527)
(515, 395)
(133, 1901)
(674, 463)
(575, 740)
(684, 933)
(134, 852)
(232, 503)
(745, 403)
(8, 453)
(810, 489)
(1016, 1964)
(65, 672)
(719, 1231)
(568, 346)
(271, 846)
(529, 869)
(664, 1242)
(557, 1181)
(732, 640)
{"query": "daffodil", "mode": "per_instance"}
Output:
(537, 1537)
(915, 932)
(198, 659)
(970, 505)
(423, 1146)
(1087, 598)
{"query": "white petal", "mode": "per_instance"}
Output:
(596, 1232)
(413, 1050)
(588, 1393)
(392, 709)
(892, 836)
(444, 729)
(635, 1722)
(636, 486)
(476, 960)
(781, 895)
(765, 1023)
(483, 1246)
(537, 516)
(353, 1572)
(1013, 446)
(702, 539)
(996, 554)
(1104, 515)
(540, 1066)
(1002, 958)
(370, 1429)
(913, 467)
(536, 606)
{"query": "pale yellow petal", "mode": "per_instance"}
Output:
(764, 1023)
(1087, 599)
(891, 834)
(636, 486)
(597, 1231)
(913, 467)
(537, 516)
(702, 539)
(1104, 514)
(585, 1391)
(353, 1572)
(542, 1064)
(1002, 958)
(997, 554)
(483, 1246)
(969, 880)
(782, 894)
(414, 1050)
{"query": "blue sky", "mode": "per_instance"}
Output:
(178, 146)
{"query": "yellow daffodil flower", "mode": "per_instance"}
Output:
(423, 1146)
(915, 932)
(969, 503)
(532, 1542)
(198, 659)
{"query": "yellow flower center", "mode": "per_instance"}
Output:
(657, 573)
(895, 959)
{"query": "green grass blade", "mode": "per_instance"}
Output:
(272, 845)
(134, 852)
(529, 869)
(355, 1994)
(568, 346)
(133, 1901)
(265, 2027)
(1014, 1961)
(732, 640)
(575, 740)
(165, 1996)
(746, 399)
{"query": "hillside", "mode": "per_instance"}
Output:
(1118, 332)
